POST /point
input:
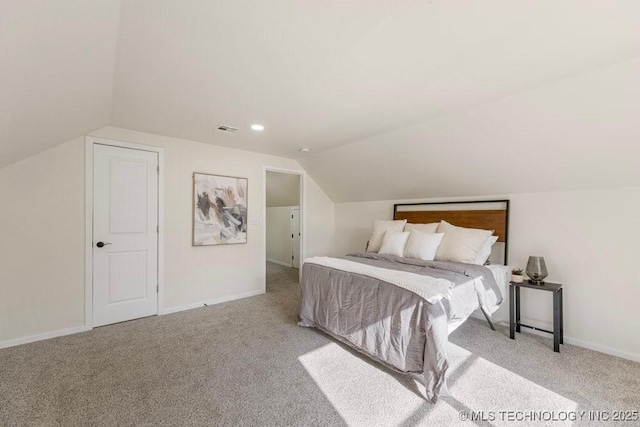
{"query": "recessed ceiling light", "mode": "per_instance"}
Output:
(304, 150)
(257, 127)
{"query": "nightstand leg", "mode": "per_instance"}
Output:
(518, 309)
(512, 312)
(561, 318)
(557, 313)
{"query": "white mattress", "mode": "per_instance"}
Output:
(502, 274)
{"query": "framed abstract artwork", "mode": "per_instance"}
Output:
(219, 209)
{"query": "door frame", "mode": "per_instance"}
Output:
(303, 214)
(90, 141)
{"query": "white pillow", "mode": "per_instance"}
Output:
(461, 244)
(422, 245)
(425, 228)
(380, 228)
(485, 252)
(394, 243)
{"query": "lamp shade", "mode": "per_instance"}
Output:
(537, 269)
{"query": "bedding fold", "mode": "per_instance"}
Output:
(456, 272)
(430, 288)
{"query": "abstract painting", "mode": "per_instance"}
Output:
(219, 210)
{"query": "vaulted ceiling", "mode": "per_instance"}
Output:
(56, 72)
(283, 189)
(393, 97)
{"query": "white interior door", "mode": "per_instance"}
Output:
(295, 237)
(125, 234)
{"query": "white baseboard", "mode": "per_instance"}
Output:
(77, 329)
(279, 262)
(602, 349)
(212, 302)
(43, 336)
(581, 343)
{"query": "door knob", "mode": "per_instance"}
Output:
(102, 244)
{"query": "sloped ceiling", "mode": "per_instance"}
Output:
(578, 133)
(321, 74)
(283, 189)
(393, 97)
(57, 60)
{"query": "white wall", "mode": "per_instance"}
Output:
(279, 245)
(589, 239)
(319, 227)
(198, 274)
(42, 243)
(42, 229)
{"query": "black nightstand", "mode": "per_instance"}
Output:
(514, 310)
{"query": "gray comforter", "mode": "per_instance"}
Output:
(388, 323)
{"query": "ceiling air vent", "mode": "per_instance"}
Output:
(229, 129)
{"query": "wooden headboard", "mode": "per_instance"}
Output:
(484, 214)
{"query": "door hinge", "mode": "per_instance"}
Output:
(292, 257)
(157, 288)
(158, 170)
(157, 229)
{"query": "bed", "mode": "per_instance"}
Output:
(400, 311)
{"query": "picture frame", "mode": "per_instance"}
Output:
(219, 209)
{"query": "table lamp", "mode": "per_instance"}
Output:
(536, 270)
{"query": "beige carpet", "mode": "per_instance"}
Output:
(247, 363)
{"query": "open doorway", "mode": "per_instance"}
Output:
(283, 226)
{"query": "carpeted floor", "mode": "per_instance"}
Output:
(247, 363)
